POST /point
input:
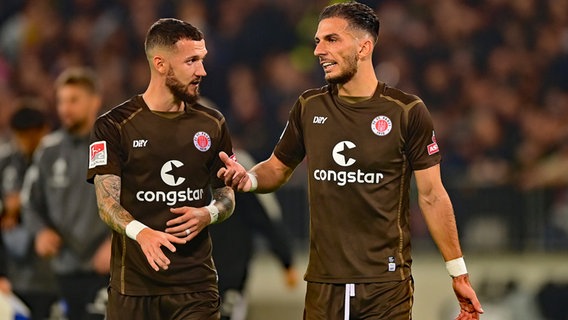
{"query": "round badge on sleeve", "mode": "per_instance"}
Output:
(202, 141)
(381, 125)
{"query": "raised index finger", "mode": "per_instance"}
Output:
(225, 158)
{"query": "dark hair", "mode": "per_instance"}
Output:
(81, 76)
(358, 15)
(167, 32)
(26, 118)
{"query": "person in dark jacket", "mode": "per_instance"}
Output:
(31, 276)
(60, 208)
(5, 285)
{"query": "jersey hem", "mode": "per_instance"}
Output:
(190, 288)
(343, 280)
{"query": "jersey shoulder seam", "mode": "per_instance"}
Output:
(400, 98)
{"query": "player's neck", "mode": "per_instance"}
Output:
(162, 102)
(363, 84)
(358, 87)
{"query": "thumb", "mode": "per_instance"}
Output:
(477, 305)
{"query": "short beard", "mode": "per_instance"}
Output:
(348, 74)
(179, 90)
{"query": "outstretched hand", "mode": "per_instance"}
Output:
(470, 308)
(234, 174)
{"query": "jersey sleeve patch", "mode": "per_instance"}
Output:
(433, 147)
(98, 155)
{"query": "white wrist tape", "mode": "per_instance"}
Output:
(253, 182)
(133, 228)
(213, 212)
(456, 267)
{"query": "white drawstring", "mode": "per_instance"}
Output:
(349, 292)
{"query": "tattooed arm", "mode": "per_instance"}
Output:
(192, 220)
(224, 200)
(111, 212)
(108, 188)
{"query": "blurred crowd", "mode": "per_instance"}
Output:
(494, 73)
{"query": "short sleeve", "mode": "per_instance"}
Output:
(225, 144)
(104, 149)
(290, 149)
(422, 147)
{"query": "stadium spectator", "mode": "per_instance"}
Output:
(60, 208)
(31, 276)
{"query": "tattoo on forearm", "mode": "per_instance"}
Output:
(107, 188)
(225, 201)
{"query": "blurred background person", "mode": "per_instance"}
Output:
(30, 275)
(5, 285)
(60, 208)
(234, 245)
(249, 119)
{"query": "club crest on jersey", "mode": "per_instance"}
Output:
(433, 147)
(97, 154)
(381, 125)
(202, 141)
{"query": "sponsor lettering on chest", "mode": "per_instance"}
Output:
(319, 120)
(140, 143)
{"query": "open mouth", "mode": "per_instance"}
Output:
(328, 65)
(195, 83)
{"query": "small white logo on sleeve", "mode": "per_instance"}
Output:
(97, 154)
(392, 264)
(202, 141)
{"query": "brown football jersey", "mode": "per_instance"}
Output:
(163, 163)
(360, 156)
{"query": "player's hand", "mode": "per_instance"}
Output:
(189, 223)
(151, 242)
(101, 258)
(11, 217)
(291, 277)
(470, 308)
(234, 174)
(47, 243)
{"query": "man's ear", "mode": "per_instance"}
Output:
(160, 64)
(366, 48)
